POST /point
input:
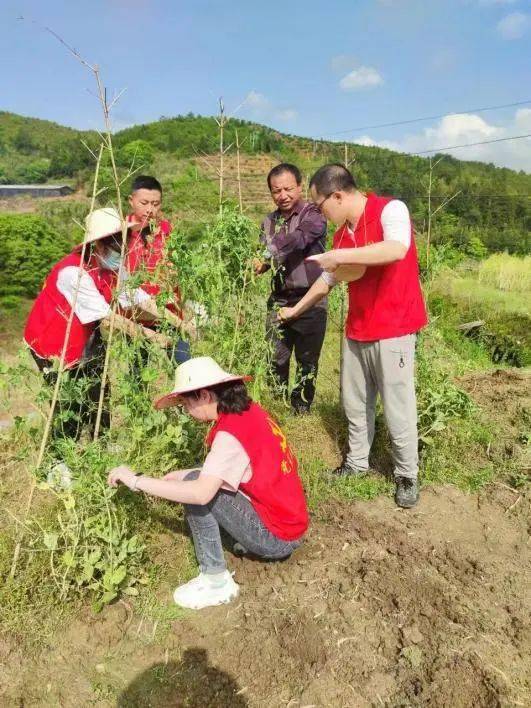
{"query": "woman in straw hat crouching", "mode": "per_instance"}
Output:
(248, 484)
(82, 282)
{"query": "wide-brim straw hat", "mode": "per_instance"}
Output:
(195, 374)
(101, 223)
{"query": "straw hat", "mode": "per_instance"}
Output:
(194, 374)
(103, 222)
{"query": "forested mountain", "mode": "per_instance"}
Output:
(491, 203)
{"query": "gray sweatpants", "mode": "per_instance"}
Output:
(385, 366)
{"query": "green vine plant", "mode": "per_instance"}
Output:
(90, 544)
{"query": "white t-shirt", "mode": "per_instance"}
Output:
(227, 460)
(90, 305)
(396, 224)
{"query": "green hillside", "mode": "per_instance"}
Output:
(491, 208)
(34, 150)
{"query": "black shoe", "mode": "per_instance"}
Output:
(300, 409)
(407, 492)
(346, 470)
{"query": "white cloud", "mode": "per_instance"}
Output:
(514, 25)
(360, 78)
(256, 100)
(463, 128)
(262, 108)
(522, 120)
(287, 114)
(368, 141)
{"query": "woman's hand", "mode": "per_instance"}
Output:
(122, 474)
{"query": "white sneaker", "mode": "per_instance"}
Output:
(199, 592)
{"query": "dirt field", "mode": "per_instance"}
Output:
(380, 607)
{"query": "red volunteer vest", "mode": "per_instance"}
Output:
(387, 300)
(275, 489)
(47, 322)
(147, 255)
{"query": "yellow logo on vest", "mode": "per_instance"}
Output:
(287, 466)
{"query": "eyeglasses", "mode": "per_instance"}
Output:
(320, 205)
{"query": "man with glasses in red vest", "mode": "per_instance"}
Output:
(374, 250)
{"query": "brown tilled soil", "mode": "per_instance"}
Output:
(505, 396)
(380, 607)
(26, 205)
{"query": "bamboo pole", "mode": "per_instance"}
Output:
(238, 173)
(428, 237)
(221, 123)
(116, 179)
(107, 138)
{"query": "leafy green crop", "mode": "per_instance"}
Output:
(29, 249)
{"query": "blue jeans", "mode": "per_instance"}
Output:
(180, 352)
(235, 514)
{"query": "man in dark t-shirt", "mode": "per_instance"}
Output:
(291, 233)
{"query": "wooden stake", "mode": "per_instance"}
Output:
(428, 238)
(221, 123)
(238, 174)
(116, 179)
(431, 213)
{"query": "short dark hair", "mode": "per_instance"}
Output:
(333, 178)
(232, 396)
(284, 167)
(145, 182)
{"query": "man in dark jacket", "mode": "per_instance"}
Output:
(291, 233)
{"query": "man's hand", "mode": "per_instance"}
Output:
(172, 318)
(158, 338)
(122, 474)
(328, 260)
(190, 327)
(286, 313)
(259, 266)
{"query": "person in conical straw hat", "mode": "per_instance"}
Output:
(248, 484)
(82, 281)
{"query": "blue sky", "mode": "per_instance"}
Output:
(311, 68)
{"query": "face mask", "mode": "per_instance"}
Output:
(111, 260)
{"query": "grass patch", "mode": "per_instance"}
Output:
(506, 273)
(471, 293)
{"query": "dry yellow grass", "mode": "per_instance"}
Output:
(505, 272)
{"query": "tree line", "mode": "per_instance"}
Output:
(488, 207)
